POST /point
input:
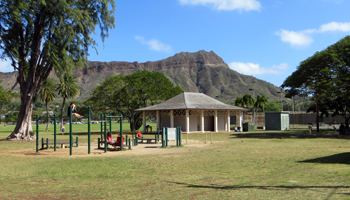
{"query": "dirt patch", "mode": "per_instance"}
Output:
(82, 150)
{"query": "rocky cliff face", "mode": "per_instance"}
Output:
(202, 72)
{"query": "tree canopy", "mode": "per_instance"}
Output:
(260, 102)
(326, 76)
(39, 36)
(129, 93)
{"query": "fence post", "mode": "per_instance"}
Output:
(132, 128)
(89, 131)
(180, 135)
(166, 136)
(177, 136)
(37, 133)
(55, 132)
(157, 135)
(163, 137)
(105, 132)
(121, 132)
(70, 131)
(101, 126)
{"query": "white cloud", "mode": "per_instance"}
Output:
(255, 69)
(295, 38)
(246, 5)
(5, 66)
(282, 66)
(155, 44)
(335, 26)
(303, 38)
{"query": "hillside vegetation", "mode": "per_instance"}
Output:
(202, 71)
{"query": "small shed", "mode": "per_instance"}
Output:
(277, 121)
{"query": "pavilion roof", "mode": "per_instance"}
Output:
(191, 101)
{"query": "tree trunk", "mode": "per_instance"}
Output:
(24, 121)
(1, 107)
(48, 117)
(62, 108)
(317, 115)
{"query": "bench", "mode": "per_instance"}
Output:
(47, 143)
(148, 140)
(99, 142)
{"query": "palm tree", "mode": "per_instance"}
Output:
(239, 102)
(47, 94)
(67, 88)
(248, 100)
(260, 102)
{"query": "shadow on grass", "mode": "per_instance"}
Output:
(277, 187)
(289, 135)
(341, 158)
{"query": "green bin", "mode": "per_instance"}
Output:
(248, 126)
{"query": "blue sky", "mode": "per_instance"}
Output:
(263, 38)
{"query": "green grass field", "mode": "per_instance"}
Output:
(258, 165)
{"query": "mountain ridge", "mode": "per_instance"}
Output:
(201, 71)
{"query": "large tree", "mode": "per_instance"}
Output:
(312, 77)
(47, 94)
(325, 76)
(129, 93)
(39, 36)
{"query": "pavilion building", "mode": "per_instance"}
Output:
(194, 112)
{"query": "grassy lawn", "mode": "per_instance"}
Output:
(258, 165)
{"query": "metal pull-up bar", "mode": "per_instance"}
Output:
(113, 116)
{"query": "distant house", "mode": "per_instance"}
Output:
(194, 112)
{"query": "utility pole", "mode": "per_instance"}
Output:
(281, 100)
(253, 105)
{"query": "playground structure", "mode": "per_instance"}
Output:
(103, 138)
(70, 133)
(71, 142)
(174, 132)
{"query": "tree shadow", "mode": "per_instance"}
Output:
(277, 187)
(279, 135)
(341, 158)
